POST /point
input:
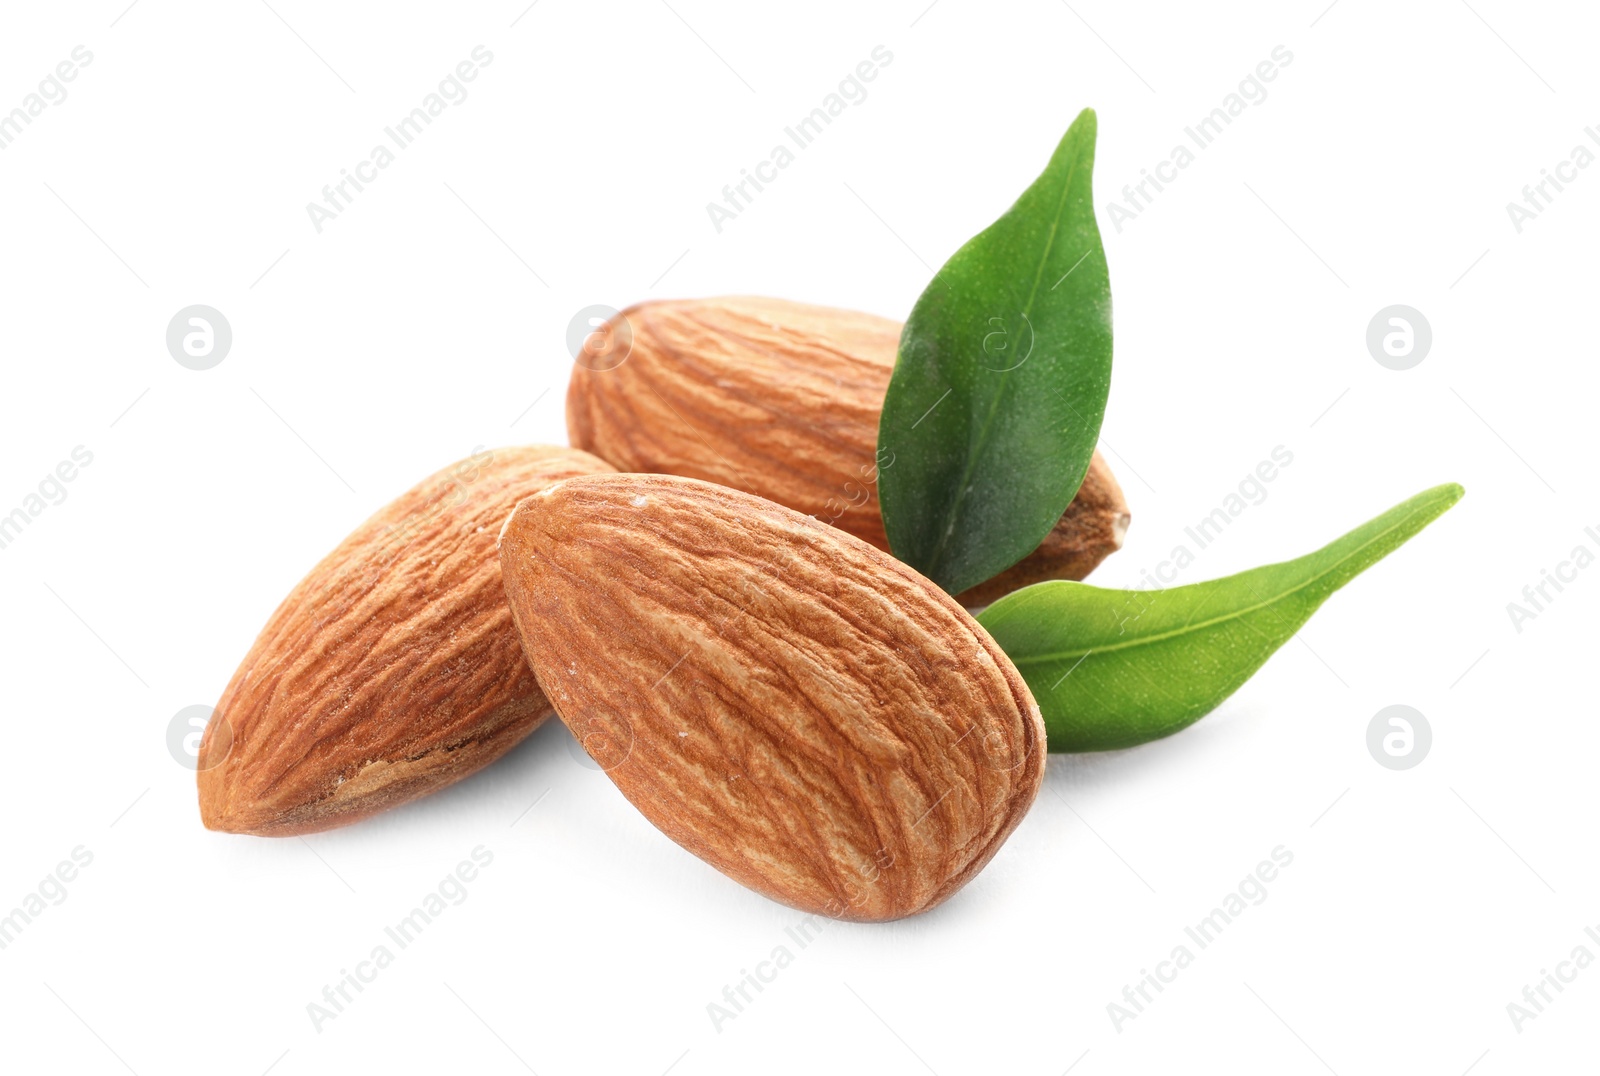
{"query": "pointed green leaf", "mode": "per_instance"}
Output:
(1115, 668)
(1000, 385)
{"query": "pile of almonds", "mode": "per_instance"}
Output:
(701, 590)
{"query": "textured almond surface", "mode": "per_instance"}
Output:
(782, 400)
(392, 670)
(802, 711)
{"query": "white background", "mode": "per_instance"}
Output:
(429, 318)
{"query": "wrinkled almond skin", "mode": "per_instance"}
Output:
(792, 705)
(392, 670)
(782, 399)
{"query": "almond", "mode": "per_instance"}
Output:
(392, 670)
(794, 706)
(782, 400)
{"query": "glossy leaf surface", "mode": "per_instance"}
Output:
(1000, 384)
(1116, 668)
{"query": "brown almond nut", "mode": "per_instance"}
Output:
(392, 670)
(782, 399)
(792, 705)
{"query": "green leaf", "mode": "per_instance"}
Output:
(1115, 668)
(1000, 385)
